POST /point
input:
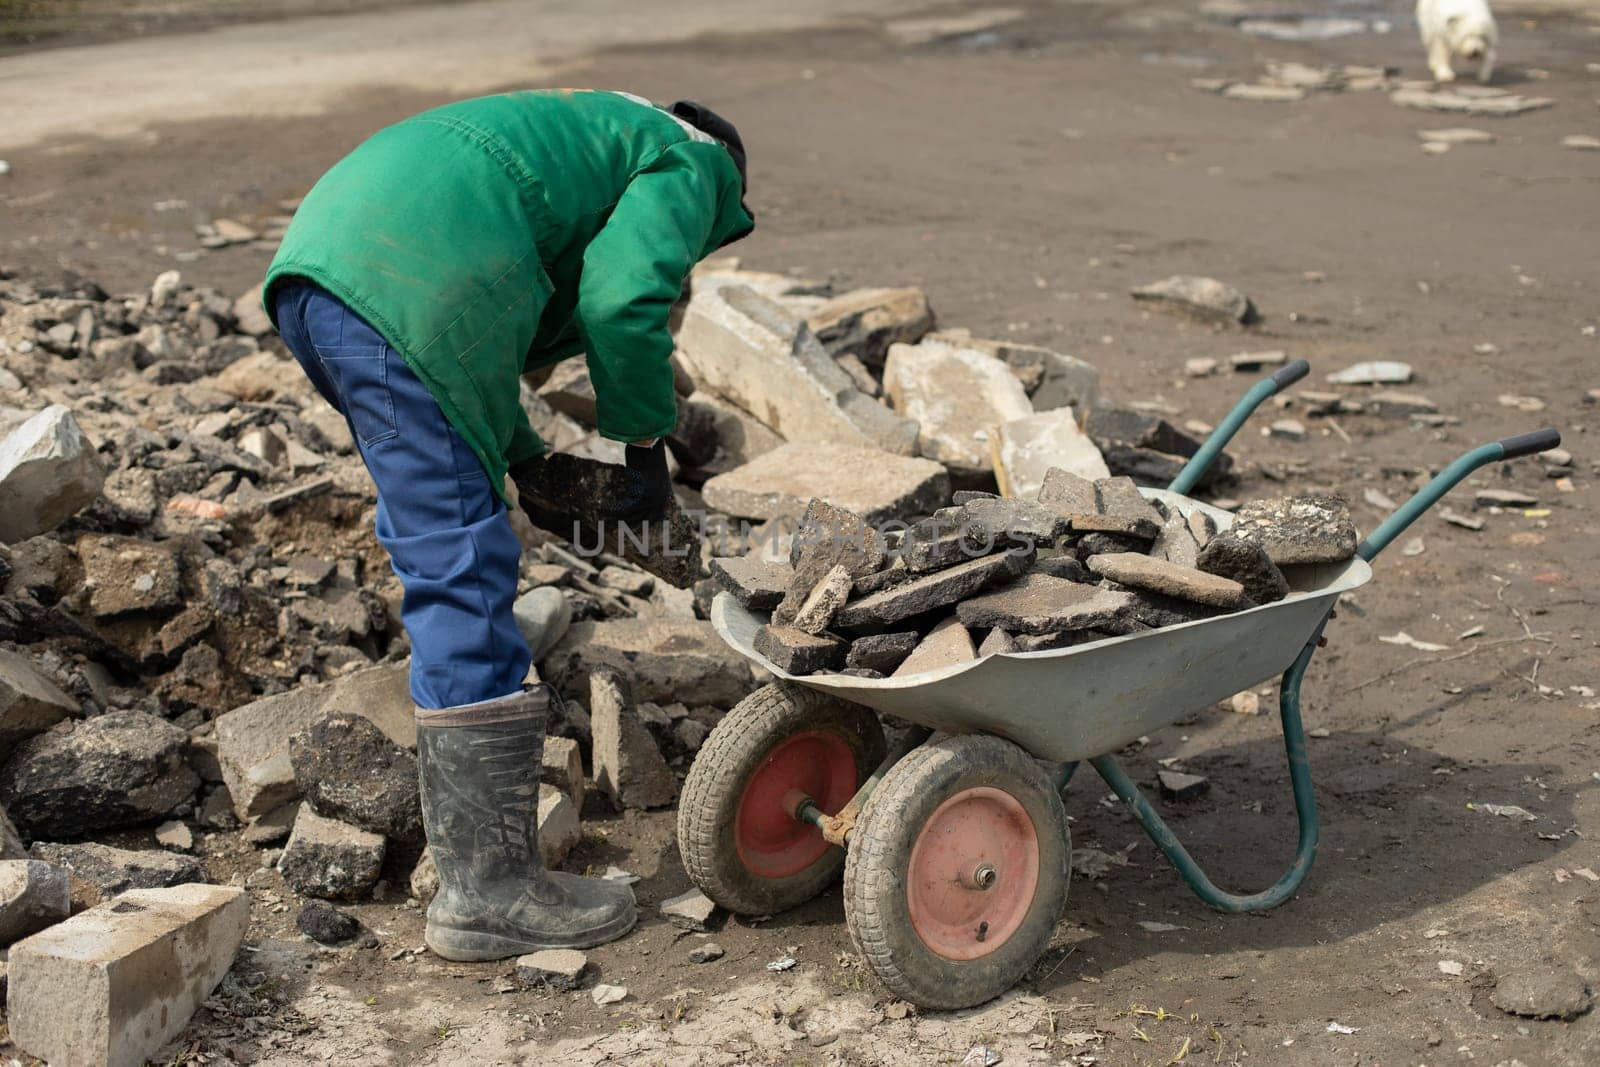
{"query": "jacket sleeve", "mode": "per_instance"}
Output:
(633, 271)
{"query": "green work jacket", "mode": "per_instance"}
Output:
(497, 235)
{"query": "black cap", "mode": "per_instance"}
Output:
(709, 122)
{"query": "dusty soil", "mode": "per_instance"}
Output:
(1026, 177)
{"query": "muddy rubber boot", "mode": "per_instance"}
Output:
(479, 769)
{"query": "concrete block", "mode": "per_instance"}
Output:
(30, 703)
(873, 484)
(49, 471)
(1025, 449)
(956, 396)
(33, 895)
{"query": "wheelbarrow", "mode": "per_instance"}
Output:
(953, 841)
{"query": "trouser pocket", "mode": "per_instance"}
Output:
(360, 374)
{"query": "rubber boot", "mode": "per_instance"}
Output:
(479, 769)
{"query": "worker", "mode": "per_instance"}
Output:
(421, 277)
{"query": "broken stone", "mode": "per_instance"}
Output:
(692, 910)
(1247, 563)
(661, 658)
(757, 584)
(1066, 567)
(1110, 505)
(1176, 785)
(946, 645)
(1153, 611)
(1204, 298)
(1176, 543)
(1455, 518)
(118, 769)
(326, 924)
(625, 580)
(112, 985)
(604, 994)
(348, 769)
(628, 767)
(1278, 94)
(1146, 447)
(997, 642)
(956, 396)
(1542, 993)
(561, 969)
(569, 391)
(424, 880)
(1253, 362)
(562, 767)
(992, 520)
(1380, 372)
(1501, 103)
(940, 541)
(1304, 529)
(881, 652)
(49, 471)
(175, 835)
(33, 895)
(706, 953)
(330, 859)
(30, 703)
(1581, 142)
(865, 322)
(1169, 579)
(875, 485)
(11, 846)
(110, 871)
(125, 575)
(559, 828)
(752, 351)
(1503, 498)
(740, 437)
(1199, 366)
(932, 591)
(824, 602)
(1287, 429)
(1393, 404)
(1041, 603)
(828, 537)
(1025, 450)
(797, 652)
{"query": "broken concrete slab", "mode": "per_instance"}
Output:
(561, 969)
(117, 769)
(350, 770)
(864, 322)
(569, 391)
(946, 645)
(1176, 543)
(330, 859)
(1107, 505)
(49, 471)
(740, 437)
(823, 603)
(754, 352)
(1146, 447)
(997, 642)
(873, 484)
(660, 658)
(1303, 529)
(1052, 379)
(628, 765)
(692, 911)
(561, 766)
(33, 895)
(757, 584)
(956, 396)
(559, 826)
(1024, 450)
(828, 537)
(1204, 298)
(992, 520)
(112, 985)
(939, 541)
(881, 652)
(1040, 603)
(126, 575)
(1169, 579)
(1247, 563)
(797, 652)
(116, 870)
(30, 703)
(937, 590)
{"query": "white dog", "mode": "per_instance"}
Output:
(1462, 28)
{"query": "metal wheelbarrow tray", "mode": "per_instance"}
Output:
(955, 846)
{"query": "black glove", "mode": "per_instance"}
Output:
(650, 491)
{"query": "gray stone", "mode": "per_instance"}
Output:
(1053, 380)
(828, 538)
(1153, 611)
(1503, 498)
(864, 322)
(1202, 527)
(946, 645)
(543, 615)
(330, 859)
(272, 827)
(881, 652)
(939, 541)
(1287, 429)
(1376, 372)
(559, 826)
(30, 703)
(752, 351)
(1246, 563)
(1394, 404)
(1064, 566)
(562, 767)
(797, 652)
(757, 584)
(1303, 529)
(1097, 544)
(33, 895)
(937, 590)
(348, 769)
(1176, 544)
(1176, 785)
(175, 835)
(873, 484)
(569, 391)
(1025, 450)
(1010, 521)
(11, 846)
(119, 769)
(326, 924)
(892, 575)
(817, 611)
(110, 986)
(424, 880)
(1043, 604)
(661, 658)
(561, 969)
(1169, 579)
(692, 910)
(1204, 298)
(740, 436)
(996, 643)
(628, 766)
(116, 870)
(1547, 992)
(956, 396)
(1110, 505)
(1146, 447)
(708, 952)
(125, 575)
(690, 734)
(49, 471)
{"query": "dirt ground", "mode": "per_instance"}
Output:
(1027, 175)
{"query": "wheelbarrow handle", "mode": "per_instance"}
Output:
(1281, 378)
(1523, 444)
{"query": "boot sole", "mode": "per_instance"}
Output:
(474, 946)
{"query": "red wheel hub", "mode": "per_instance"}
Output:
(770, 841)
(973, 873)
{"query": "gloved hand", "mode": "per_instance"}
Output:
(651, 491)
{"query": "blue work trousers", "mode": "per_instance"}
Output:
(447, 532)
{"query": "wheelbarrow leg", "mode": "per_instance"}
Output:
(1305, 804)
(1063, 775)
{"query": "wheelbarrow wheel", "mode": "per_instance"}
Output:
(958, 871)
(739, 841)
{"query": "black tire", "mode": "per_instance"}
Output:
(876, 904)
(715, 786)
